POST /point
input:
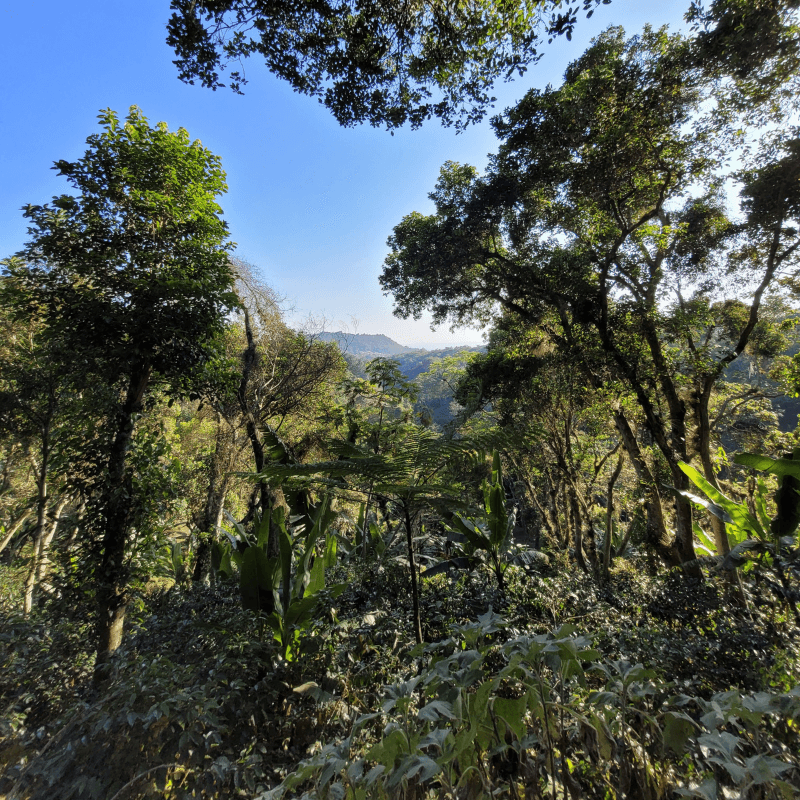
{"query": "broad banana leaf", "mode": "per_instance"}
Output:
(256, 579)
(720, 505)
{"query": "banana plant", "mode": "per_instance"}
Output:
(775, 540)
(299, 573)
(492, 535)
(285, 591)
(740, 524)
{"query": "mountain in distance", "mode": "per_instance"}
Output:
(435, 397)
(364, 344)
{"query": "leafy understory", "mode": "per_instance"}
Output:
(546, 689)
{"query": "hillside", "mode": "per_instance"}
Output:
(365, 345)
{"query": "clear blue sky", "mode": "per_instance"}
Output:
(311, 204)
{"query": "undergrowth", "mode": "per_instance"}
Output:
(505, 700)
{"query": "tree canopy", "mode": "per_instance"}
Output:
(601, 221)
(372, 61)
(388, 64)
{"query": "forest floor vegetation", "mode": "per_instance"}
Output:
(200, 703)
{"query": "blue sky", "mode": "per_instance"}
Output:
(309, 203)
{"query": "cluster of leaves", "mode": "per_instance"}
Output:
(199, 704)
(545, 714)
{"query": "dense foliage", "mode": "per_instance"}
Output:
(231, 566)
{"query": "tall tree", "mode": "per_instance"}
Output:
(602, 216)
(131, 274)
(283, 373)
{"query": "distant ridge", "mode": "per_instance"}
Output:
(364, 344)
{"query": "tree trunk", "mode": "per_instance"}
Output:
(568, 522)
(413, 571)
(112, 593)
(656, 534)
(703, 438)
(610, 517)
(43, 560)
(41, 513)
(684, 532)
(576, 519)
(211, 518)
(546, 520)
(15, 526)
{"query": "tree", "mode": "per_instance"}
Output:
(283, 373)
(601, 221)
(752, 51)
(38, 399)
(388, 64)
(558, 429)
(386, 391)
(132, 276)
(376, 61)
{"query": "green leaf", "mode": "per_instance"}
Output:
(775, 466)
(255, 578)
(706, 542)
(331, 547)
(678, 729)
(707, 790)
(389, 749)
(421, 766)
(434, 710)
(732, 512)
(317, 577)
(497, 474)
(765, 769)
(262, 532)
(300, 611)
(512, 712)
(736, 556)
(605, 740)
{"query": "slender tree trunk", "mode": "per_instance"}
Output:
(555, 518)
(413, 570)
(73, 534)
(590, 546)
(112, 594)
(610, 517)
(568, 522)
(546, 520)
(587, 527)
(212, 511)
(365, 532)
(15, 526)
(44, 547)
(537, 507)
(577, 527)
(41, 513)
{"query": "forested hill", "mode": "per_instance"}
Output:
(435, 391)
(359, 348)
(370, 345)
